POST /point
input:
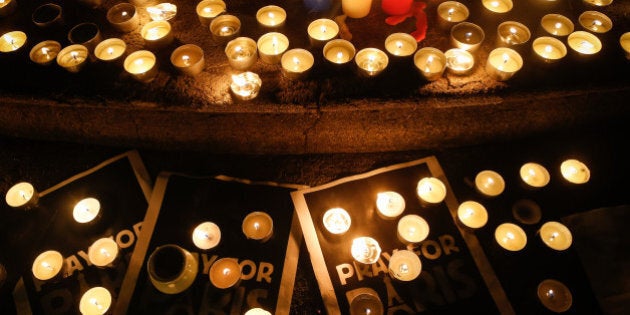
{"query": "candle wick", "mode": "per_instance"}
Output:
(47, 266)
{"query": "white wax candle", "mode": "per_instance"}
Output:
(405, 265)
(557, 24)
(225, 273)
(472, 214)
(45, 53)
(321, 31)
(430, 63)
(337, 221)
(12, 41)
(467, 36)
(365, 250)
(157, 34)
(554, 295)
(584, 43)
(86, 210)
(412, 228)
(103, 252)
(431, 190)
(73, 58)
(339, 51)
(142, 65)
(534, 174)
(498, 6)
(400, 44)
(503, 63)
(371, 61)
(510, 236)
(459, 61)
(390, 204)
(123, 17)
(95, 301)
(296, 63)
(575, 171)
(111, 49)
(207, 10)
(489, 183)
(22, 194)
(188, 59)
(258, 226)
(549, 49)
(206, 235)
(47, 265)
(271, 46)
(271, 16)
(162, 11)
(246, 85)
(356, 8)
(257, 311)
(595, 21)
(241, 53)
(556, 235)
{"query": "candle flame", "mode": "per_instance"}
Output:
(339, 56)
(495, 3)
(95, 302)
(256, 226)
(74, 54)
(226, 271)
(207, 10)
(548, 48)
(323, 29)
(110, 50)
(105, 253)
(46, 265)
(186, 59)
(509, 235)
(45, 51)
(399, 44)
(550, 293)
(513, 30)
(403, 268)
(124, 13)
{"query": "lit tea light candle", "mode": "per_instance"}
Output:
(157, 34)
(459, 61)
(321, 31)
(405, 265)
(241, 53)
(510, 236)
(271, 16)
(431, 190)
(258, 226)
(489, 183)
(245, 86)
(95, 301)
(172, 269)
(575, 171)
(297, 63)
(390, 204)
(365, 250)
(188, 59)
(584, 43)
(430, 63)
(7, 7)
(599, 3)
(356, 9)
(86, 210)
(498, 6)
(557, 24)
(534, 175)
(595, 21)
(103, 252)
(371, 61)
(111, 49)
(225, 273)
(45, 53)
(22, 195)
(549, 49)
(162, 11)
(271, 46)
(554, 295)
(257, 311)
(86, 34)
(452, 12)
(225, 28)
(123, 17)
(366, 303)
(412, 228)
(141, 65)
(400, 44)
(512, 34)
(47, 15)
(467, 36)
(503, 63)
(206, 235)
(48, 265)
(472, 214)
(556, 235)
(73, 58)
(337, 221)
(12, 41)
(339, 51)
(624, 42)
(207, 10)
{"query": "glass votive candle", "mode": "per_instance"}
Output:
(141, 65)
(584, 43)
(400, 44)
(7, 7)
(365, 250)
(534, 175)
(549, 49)
(123, 17)
(389, 204)
(599, 3)
(431, 190)
(430, 63)
(574, 171)
(510, 236)
(459, 61)
(96, 300)
(45, 53)
(110, 50)
(245, 86)
(206, 235)
(103, 252)
(472, 214)
(73, 58)
(47, 15)
(296, 63)
(595, 21)
(554, 295)
(48, 265)
(489, 183)
(21, 195)
(207, 10)
(321, 31)
(451, 12)
(556, 235)
(411, 229)
(371, 61)
(258, 225)
(557, 24)
(339, 51)
(503, 63)
(157, 34)
(12, 41)
(162, 11)
(366, 302)
(337, 221)
(512, 34)
(241, 53)
(188, 59)
(271, 46)
(467, 36)
(225, 27)
(404, 265)
(172, 269)
(498, 6)
(225, 273)
(87, 34)
(271, 16)
(624, 42)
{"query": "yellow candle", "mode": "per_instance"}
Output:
(556, 235)
(258, 226)
(371, 61)
(404, 265)
(365, 250)
(584, 43)
(575, 171)
(459, 61)
(111, 49)
(172, 269)
(472, 214)
(296, 63)
(510, 236)
(45, 53)
(489, 183)
(549, 49)
(337, 221)
(86, 210)
(157, 34)
(503, 63)
(467, 36)
(356, 8)
(206, 235)
(73, 57)
(21, 195)
(7, 7)
(271, 16)
(12, 41)
(498, 6)
(431, 190)
(225, 273)
(554, 295)
(400, 44)
(103, 252)
(47, 15)
(207, 10)
(430, 63)
(141, 65)
(320, 31)
(245, 86)
(512, 33)
(188, 59)
(595, 21)
(624, 42)
(339, 51)
(271, 46)
(390, 204)
(123, 17)
(241, 53)
(48, 265)
(534, 175)
(95, 301)
(412, 228)
(225, 27)
(557, 24)
(452, 12)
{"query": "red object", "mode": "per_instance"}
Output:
(416, 11)
(396, 7)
